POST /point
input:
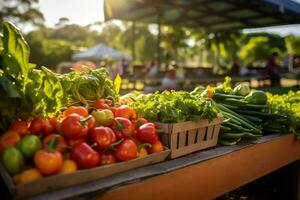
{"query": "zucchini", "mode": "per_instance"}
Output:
(231, 136)
(244, 122)
(237, 127)
(224, 96)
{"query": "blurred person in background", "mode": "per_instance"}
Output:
(125, 66)
(169, 82)
(235, 69)
(153, 69)
(273, 70)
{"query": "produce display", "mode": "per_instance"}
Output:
(78, 138)
(27, 91)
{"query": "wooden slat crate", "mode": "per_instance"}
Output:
(187, 137)
(59, 181)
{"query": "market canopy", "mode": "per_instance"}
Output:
(99, 52)
(214, 15)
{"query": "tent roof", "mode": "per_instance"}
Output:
(98, 52)
(214, 15)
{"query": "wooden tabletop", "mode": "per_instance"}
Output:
(202, 175)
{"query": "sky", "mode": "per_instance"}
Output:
(85, 12)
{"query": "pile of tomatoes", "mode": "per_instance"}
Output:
(77, 138)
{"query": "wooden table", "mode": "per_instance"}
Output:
(203, 175)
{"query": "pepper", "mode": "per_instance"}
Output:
(103, 117)
(13, 160)
(84, 156)
(29, 145)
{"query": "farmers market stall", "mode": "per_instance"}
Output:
(73, 134)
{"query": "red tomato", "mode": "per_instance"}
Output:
(139, 122)
(74, 126)
(103, 104)
(103, 137)
(61, 142)
(48, 162)
(20, 127)
(53, 121)
(122, 127)
(84, 156)
(156, 147)
(107, 158)
(41, 125)
(126, 112)
(72, 142)
(127, 150)
(91, 122)
(80, 110)
(147, 133)
(9, 139)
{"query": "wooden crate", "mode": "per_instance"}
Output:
(187, 137)
(81, 176)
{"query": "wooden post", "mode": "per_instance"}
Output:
(133, 41)
(158, 48)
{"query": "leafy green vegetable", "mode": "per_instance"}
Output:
(225, 87)
(174, 106)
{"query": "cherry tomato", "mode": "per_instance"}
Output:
(156, 147)
(147, 133)
(61, 145)
(103, 137)
(48, 161)
(69, 166)
(127, 150)
(107, 158)
(27, 176)
(74, 126)
(41, 125)
(142, 152)
(20, 127)
(84, 156)
(122, 127)
(126, 112)
(80, 110)
(9, 139)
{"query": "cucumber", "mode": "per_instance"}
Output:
(251, 136)
(235, 101)
(250, 112)
(224, 96)
(252, 118)
(229, 106)
(237, 127)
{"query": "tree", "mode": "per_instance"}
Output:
(293, 44)
(21, 11)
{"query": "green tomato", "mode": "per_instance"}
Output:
(103, 117)
(13, 160)
(28, 145)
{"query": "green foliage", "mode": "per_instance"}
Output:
(21, 11)
(25, 91)
(293, 44)
(172, 107)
